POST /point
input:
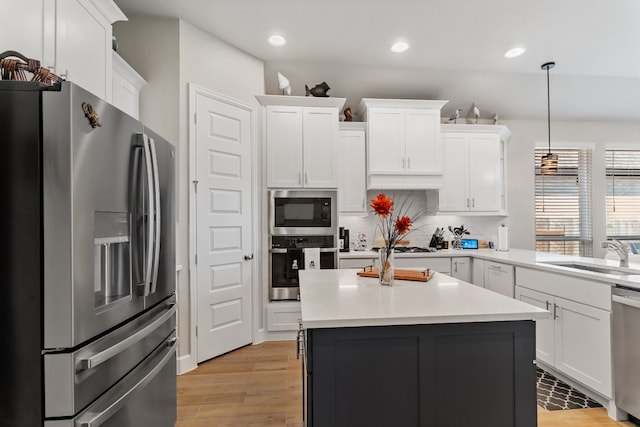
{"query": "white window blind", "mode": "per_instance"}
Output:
(623, 194)
(563, 204)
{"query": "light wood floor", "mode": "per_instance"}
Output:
(261, 386)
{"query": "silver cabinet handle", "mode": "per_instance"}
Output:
(103, 356)
(547, 305)
(468, 202)
(300, 178)
(403, 163)
(306, 178)
(408, 162)
(555, 311)
(455, 266)
(248, 257)
(473, 202)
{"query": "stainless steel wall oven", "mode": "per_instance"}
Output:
(289, 254)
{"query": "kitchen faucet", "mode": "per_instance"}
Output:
(621, 248)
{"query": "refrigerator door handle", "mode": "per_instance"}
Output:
(103, 356)
(94, 419)
(156, 214)
(148, 247)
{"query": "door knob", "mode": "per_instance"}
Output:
(248, 257)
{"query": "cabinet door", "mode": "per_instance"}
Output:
(441, 265)
(454, 196)
(545, 335)
(461, 268)
(21, 29)
(83, 46)
(477, 272)
(352, 190)
(358, 263)
(386, 140)
(423, 146)
(284, 146)
(485, 172)
(320, 143)
(583, 344)
(499, 278)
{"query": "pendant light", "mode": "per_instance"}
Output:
(549, 163)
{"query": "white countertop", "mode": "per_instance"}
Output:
(524, 258)
(339, 298)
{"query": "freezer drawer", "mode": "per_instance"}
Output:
(145, 397)
(73, 380)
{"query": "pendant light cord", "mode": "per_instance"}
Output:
(548, 111)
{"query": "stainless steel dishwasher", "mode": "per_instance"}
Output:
(626, 348)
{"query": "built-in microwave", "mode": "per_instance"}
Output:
(303, 212)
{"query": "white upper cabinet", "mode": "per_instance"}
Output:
(301, 135)
(404, 145)
(474, 169)
(126, 87)
(352, 185)
(70, 37)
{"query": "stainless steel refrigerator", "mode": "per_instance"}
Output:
(87, 260)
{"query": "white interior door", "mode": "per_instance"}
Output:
(224, 227)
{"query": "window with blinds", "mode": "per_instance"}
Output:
(563, 204)
(623, 194)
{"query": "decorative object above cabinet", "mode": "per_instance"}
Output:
(474, 170)
(72, 38)
(301, 135)
(404, 145)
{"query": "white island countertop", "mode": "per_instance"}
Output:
(340, 298)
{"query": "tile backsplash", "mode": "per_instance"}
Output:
(481, 227)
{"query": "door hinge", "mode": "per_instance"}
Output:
(195, 185)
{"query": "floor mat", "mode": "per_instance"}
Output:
(553, 394)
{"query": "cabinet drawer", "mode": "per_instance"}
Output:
(357, 262)
(441, 265)
(597, 294)
(283, 316)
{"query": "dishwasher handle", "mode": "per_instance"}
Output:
(627, 300)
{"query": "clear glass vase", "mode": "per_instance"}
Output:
(387, 260)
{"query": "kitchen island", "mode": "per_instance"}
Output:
(440, 353)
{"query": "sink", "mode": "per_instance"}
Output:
(595, 268)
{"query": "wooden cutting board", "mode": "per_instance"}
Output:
(399, 274)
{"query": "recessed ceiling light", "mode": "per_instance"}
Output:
(516, 51)
(399, 47)
(277, 40)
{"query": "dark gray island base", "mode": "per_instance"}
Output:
(434, 375)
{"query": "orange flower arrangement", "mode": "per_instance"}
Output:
(393, 227)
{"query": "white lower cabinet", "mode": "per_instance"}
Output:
(441, 265)
(357, 262)
(477, 272)
(576, 340)
(499, 278)
(461, 268)
(283, 316)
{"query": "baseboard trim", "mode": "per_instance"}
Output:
(185, 364)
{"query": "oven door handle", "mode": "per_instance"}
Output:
(103, 356)
(284, 251)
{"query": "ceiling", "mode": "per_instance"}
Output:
(456, 50)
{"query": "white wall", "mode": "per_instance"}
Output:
(170, 54)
